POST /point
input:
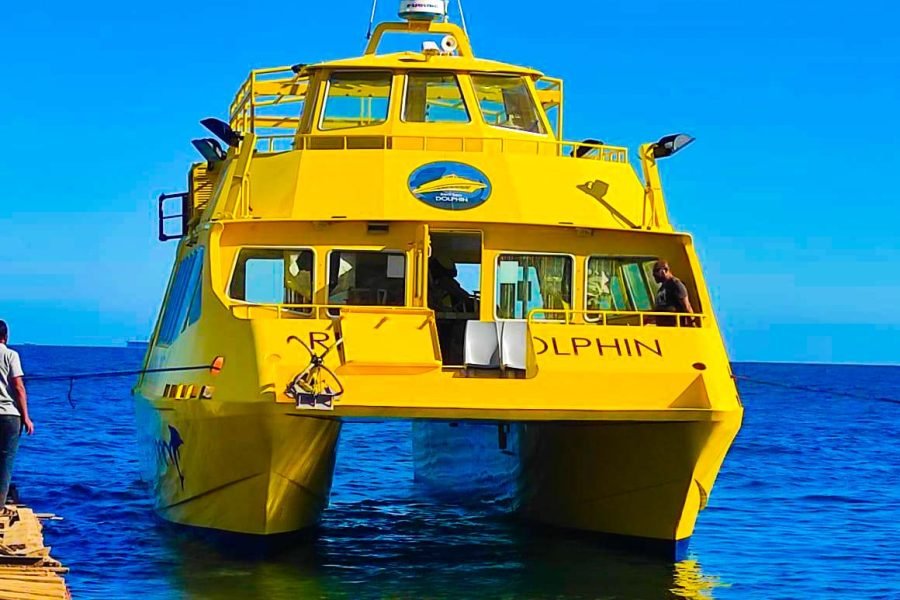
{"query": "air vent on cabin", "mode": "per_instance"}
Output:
(200, 187)
(375, 228)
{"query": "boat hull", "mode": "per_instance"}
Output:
(641, 481)
(249, 468)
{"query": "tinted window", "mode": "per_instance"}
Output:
(529, 281)
(367, 278)
(184, 287)
(619, 283)
(273, 276)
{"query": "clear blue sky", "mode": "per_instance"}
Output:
(789, 191)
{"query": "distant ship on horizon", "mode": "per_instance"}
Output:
(142, 344)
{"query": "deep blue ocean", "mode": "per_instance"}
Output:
(807, 506)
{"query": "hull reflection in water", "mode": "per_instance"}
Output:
(406, 549)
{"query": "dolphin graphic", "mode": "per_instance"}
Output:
(174, 451)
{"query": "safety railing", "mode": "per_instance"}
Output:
(268, 101)
(279, 142)
(616, 318)
(248, 310)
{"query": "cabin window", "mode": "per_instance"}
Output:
(506, 101)
(184, 288)
(434, 97)
(525, 282)
(619, 283)
(273, 276)
(356, 99)
(367, 278)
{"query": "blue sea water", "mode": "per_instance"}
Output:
(807, 506)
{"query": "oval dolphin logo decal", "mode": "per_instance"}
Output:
(450, 185)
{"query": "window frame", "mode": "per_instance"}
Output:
(325, 98)
(494, 290)
(234, 264)
(638, 259)
(459, 86)
(540, 113)
(174, 315)
(407, 289)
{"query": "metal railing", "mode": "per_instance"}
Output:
(616, 318)
(281, 142)
(605, 318)
(244, 310)
(269, 99)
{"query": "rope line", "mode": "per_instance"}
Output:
(214, 367)
(807, 388)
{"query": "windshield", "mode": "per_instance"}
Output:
(506, 101)
(356, 99)
(434, 98)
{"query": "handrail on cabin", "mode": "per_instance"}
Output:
(442, 143)
(606, 318)
(609, 318)
(326, 311)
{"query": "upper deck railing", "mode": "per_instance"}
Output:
(618, 318)
(275, 143)
(270, 102)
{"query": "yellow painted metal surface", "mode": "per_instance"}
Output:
(234, 452)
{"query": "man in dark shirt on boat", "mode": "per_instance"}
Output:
(672, 295)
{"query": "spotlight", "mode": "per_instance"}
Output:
(670, 144)
(210, 149)
(223, 131)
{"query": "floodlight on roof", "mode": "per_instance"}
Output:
(223, 131)
(670, 144)
(210, 149)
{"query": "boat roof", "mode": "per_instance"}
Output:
(419, 60)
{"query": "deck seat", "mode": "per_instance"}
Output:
(513, 344)
(482, 345)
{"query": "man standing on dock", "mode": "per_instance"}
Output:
(13, 412)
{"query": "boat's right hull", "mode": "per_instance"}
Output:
(642, 480)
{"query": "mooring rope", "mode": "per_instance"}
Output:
(815, 390)
(214, 367)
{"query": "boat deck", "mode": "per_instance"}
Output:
(27, 571)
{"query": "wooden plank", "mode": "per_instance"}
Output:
(27, 571)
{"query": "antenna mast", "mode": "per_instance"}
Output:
(372, 19)
(462, 17)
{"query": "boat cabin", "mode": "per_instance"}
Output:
(430, 180)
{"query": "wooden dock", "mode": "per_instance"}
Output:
(27, 572)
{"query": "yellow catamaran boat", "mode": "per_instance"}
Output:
(407, 236)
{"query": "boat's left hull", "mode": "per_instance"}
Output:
(251, 468)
